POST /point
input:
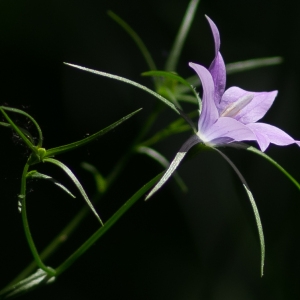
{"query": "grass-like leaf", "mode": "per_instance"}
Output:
(128, 81)
(108, 224)
(181, 36)
(237, 67)
(254, 207)
(174, 77)
(163, 162)
(39, 278)
(259, 228)
(136, 39)
(277, 165)
(19, 131)
(26, 132)
(76, 182)
(21, 112)
(36, 175)
(101, 183)
(68, 147)
(193, 140)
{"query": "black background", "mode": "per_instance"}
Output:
(200, 245)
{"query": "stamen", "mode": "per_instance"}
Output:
(234, 108)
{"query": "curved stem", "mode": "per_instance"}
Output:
(22, 199)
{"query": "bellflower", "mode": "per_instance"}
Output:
(232, 116)
(228, 117)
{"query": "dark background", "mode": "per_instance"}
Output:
(199, 245)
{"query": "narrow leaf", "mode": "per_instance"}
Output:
(164, 162)
(136, 39)
(246, 65)
(193, 140)
(254, 207)
(238, 67)
(37, 175)
(26, 132)
(128, 81)
(99, 179)
(181, 36)
(272, 161)
(68, 147)
(259, 227)
(174, 77)
(21, 112)
(108, 224)
(76, 182)
(18, 131)
(39, 278)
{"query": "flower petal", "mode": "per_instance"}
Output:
(209, 113)
(217, 67)
(252, 111)
(266, 134)
(226, 130)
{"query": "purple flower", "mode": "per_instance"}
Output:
(228, 117)
(232, 116)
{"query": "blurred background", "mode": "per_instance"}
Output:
(199, 245)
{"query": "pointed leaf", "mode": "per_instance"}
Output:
(193, 140)
(99, 179)
(174, 77)
(259, 228)
(237, 67)
(39, 278)
(37, 175)
(21, 112)
(254, 207)
(135, 38)
(181, 36)
(19, 131)
(76, 182)
(142, 87)
(26, 133)
(164, 162)
(68, 147)
(279, 167)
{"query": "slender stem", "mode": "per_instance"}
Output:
(89, 242)
(32, 247)
(74, 223)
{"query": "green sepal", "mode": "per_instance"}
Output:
(76, 182)
(68, 147)
(39, 278)
(36, 175)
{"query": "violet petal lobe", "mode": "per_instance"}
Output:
(225, 131)
(209, 113)
(217, 67)
(252, 111)
(266, 134)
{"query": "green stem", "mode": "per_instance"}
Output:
(30, 241)
(88, 243)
